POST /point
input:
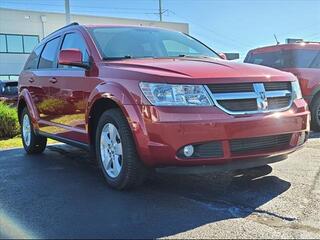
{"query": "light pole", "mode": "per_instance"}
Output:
(67, 11)
(160, 10)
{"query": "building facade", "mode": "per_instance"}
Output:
(21, 30)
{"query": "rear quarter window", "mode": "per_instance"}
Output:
(33, 59)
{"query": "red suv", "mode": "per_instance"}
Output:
(303, 60)
(147, 98)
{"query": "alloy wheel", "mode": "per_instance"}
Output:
(111, 150)
(26, 130)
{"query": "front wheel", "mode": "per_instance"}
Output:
(32, 143)
(116, 151)
(315, 114)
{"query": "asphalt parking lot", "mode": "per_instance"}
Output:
(60, 194)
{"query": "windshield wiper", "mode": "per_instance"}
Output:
(193, 56)
(117, 58)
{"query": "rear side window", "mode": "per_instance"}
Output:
(296, 58)
(269, 59)
(300, 58)
(33, 59)
(75, 40)
(316, 62)
(49, 54)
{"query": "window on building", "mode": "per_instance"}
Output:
(14, 44)
(9, 77)
(3, 44)
(49, 54)
(17, 43)
(73, 40)
(4, 77)
(29, 42)
(14, 77)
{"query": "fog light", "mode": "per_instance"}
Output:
(188, 150)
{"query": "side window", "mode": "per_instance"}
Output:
(75, 40)
(33, 58)
(269, 59)
(49, 54)
(316, 62)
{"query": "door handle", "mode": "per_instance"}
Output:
(53, 80)
(31, 80)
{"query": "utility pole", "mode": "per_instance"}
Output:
(67, 11)
(160, 11)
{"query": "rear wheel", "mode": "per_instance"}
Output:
(32, 143)
(315, 114)
(116, 151)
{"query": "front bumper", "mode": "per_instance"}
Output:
(163, 131)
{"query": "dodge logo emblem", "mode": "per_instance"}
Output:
(262, 101)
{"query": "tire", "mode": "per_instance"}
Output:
(120, 165)
(315, 114)
(32, 143)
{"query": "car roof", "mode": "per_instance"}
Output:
(298, 45)
(88, 26)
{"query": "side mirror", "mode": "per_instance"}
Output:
(223, 56)
(72, 57)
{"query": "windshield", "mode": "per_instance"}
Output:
(297, 58)
(135, 42)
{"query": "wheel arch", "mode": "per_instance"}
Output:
(113, 95)
(25, 100)
(98, 107)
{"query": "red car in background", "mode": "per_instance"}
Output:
(147, 98)
(303, 60)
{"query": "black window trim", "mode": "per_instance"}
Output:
(19, 35)
(61, 43)
(56, 53)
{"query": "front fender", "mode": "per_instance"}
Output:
(132, 111)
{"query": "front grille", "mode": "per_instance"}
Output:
(275, 86)
(243, 98)
(277, 103)
(227, 88)
(206, 150)
(239, 146)
(240, 104)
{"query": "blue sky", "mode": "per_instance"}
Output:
(224, 25)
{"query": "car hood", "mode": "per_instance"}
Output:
(200, 69)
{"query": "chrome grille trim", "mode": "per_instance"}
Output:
(260, 94)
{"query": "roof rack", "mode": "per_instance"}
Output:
(69, 25)
(311, 42)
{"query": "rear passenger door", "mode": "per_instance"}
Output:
(41, 81)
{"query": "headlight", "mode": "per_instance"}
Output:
(162, 94)
(296, 90)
